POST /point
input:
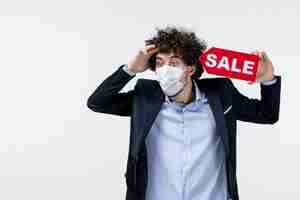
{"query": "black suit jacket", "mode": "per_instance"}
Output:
(144, 102)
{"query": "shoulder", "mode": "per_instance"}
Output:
(219, 83)
(146, 84)
(144, 81)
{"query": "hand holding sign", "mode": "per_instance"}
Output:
(265, 68)
(234, 64)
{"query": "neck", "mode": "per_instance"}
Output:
(185, 96)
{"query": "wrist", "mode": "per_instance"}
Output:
(270, 81)
(128, 70)
(131, 70)
(271, 78)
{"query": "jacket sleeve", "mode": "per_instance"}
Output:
(263, 111)
(107, 99)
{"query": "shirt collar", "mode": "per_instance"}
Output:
(195, 89)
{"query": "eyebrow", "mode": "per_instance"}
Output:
(173, 56)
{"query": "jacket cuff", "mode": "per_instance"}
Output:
(125, 68)
(269, 82)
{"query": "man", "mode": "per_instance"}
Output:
(183, 129)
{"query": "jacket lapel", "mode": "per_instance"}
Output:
(150, 103)
(214, 101)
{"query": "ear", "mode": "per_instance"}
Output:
(190, 70)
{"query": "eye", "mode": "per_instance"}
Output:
(173, 63)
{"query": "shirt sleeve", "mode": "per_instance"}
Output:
(270, 82)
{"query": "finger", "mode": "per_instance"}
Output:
(255, 52)
(150, 46)
(264, 56)
(250, 82)
(260, 55)
(152, 51)
(147, 48)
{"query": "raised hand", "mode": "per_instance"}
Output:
(139, 63)
(265, 68)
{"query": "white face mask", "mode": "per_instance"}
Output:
(168, 78)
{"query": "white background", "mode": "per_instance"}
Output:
(53, 55)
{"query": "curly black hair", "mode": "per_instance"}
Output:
(181, 42)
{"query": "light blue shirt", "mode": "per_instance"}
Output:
(186, 159)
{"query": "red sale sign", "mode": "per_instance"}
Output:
(230, 63)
